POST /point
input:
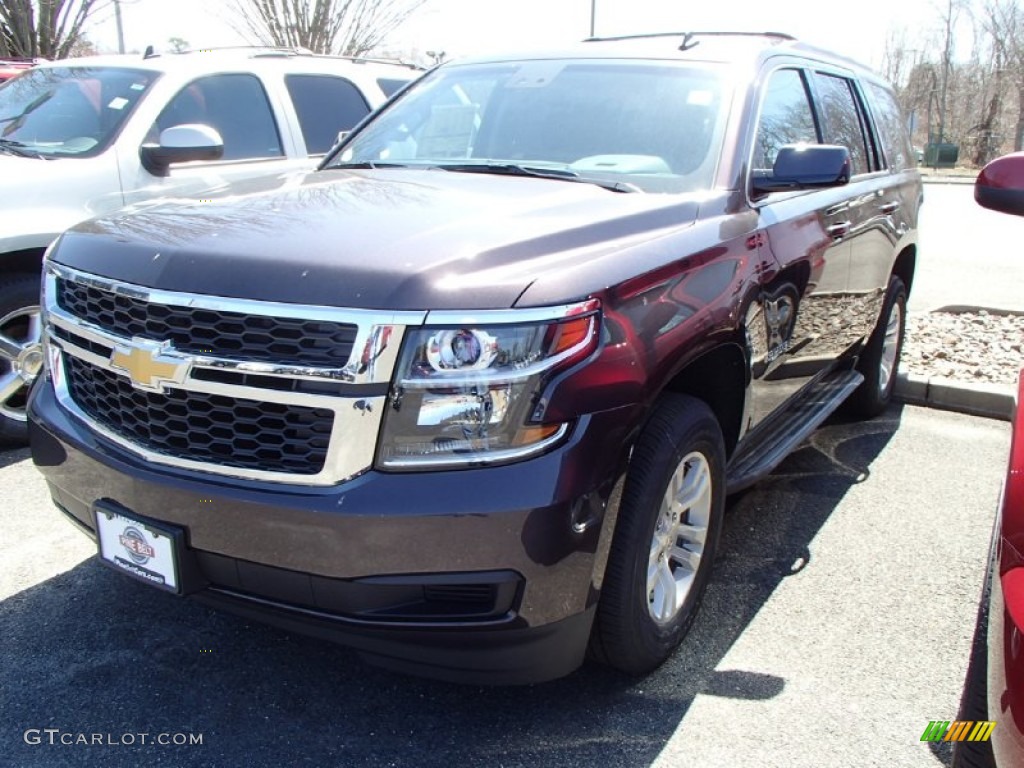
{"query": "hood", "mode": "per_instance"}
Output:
(391, 239)
(44, 197)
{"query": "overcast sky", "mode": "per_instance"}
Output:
(472, 26)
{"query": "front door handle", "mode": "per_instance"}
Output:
(890, 207)
(839, 230)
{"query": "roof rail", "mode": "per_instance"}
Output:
(688, 41)
(278, 50)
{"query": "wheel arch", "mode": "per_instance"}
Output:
(904, 266)
(719, 378)
(26, 260)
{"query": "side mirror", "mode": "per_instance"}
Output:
(181, 144)
(1000, 185)
(805, 166)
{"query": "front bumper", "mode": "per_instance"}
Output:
(483, 575)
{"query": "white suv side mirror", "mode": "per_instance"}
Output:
(181, 144)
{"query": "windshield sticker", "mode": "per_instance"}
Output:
(536, 74)
(118, 103)
(138, 86)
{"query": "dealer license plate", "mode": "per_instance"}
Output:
(143, 550)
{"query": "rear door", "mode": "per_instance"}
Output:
(864, 220)
(798, 327)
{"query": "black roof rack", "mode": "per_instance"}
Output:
(688, 37)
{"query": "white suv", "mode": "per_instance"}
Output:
(86, 136)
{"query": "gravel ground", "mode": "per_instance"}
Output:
(971, 347)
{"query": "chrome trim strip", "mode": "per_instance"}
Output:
(483, 317)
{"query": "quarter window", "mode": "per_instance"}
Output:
(786, 118)
(841, 123)
(236, 106)
(325, 106)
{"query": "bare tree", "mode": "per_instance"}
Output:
(346, 27)
(1004, 21)
(50, 29)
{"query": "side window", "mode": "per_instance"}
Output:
(325, 105)
(786, 117)
(841, 119)
(889, 120)
(236, 106)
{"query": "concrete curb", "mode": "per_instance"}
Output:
(994, 401)
(947, 179)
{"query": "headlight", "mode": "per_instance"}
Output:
(469, 394)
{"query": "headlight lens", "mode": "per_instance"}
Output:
(469, 395)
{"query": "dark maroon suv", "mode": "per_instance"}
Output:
(470, 397)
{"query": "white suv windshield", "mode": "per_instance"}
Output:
(68, 110)
(655, 127)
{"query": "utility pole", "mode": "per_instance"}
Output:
(593, 11)
(120, 26)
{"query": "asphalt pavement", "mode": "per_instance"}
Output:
(836, 626)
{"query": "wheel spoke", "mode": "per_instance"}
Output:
(35, 328)
(695, 534)
(695, 486)
(668, 591)
(9, 348)
(685, 557)
(10, 384)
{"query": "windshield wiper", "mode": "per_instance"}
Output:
(366, 165)
(559, 174)
(12, 147)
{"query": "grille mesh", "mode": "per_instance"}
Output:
(203, 331)
(228, 431)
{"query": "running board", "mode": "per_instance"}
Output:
(781, 432)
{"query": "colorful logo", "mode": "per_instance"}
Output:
(135, 543)
(958, 730)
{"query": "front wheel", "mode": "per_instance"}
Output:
(21, 353)
(665, 539)
(880, 360)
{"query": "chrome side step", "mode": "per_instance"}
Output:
(772, 440)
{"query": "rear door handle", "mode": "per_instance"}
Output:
(839, 230)
(890, 207)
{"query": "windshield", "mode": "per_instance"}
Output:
(68, 110)
(653, 126)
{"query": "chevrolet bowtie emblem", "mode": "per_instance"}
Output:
(150, 364)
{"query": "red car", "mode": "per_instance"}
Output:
(11, 67)
(995, 678)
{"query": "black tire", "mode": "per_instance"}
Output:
(626, 634)
(17, 294)
(871, 397)
(974, 701)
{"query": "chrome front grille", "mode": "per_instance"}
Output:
(228, 431)
(268, 391)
